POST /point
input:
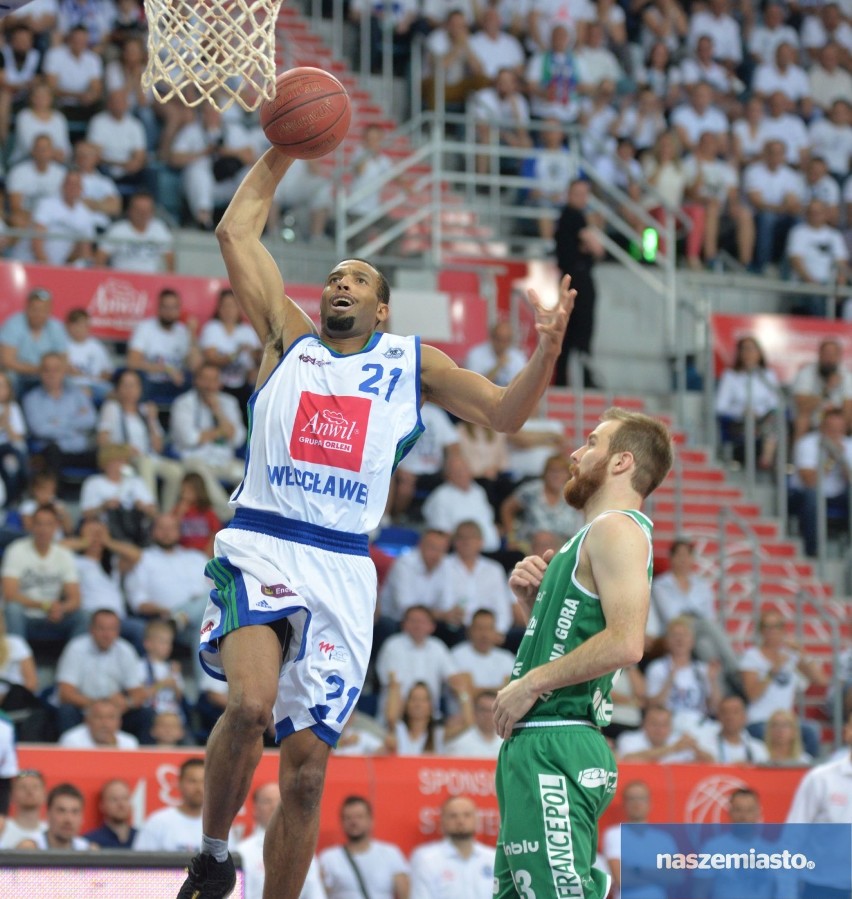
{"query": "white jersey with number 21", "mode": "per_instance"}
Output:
(326, 431)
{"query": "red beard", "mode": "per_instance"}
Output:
(582, 487)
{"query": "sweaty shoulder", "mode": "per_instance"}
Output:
(612, 529)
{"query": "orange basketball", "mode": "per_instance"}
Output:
(310, 114)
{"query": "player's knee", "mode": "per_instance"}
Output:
(304, 786)
(251, 714)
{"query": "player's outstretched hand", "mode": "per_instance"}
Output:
(551, 323)
(526, 577)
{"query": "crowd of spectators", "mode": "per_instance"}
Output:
(116, 479)
(735, 113)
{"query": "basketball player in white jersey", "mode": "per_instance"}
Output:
(289, 623)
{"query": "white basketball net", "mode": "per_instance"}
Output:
(216, 51)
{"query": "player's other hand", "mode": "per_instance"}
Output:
(511, 704)
(526, 577)
(550, 323)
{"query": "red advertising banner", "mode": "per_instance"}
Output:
(788, 341)
(407, 793)
(118, 301)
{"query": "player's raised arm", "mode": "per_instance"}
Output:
(473, 398)
(254, 276)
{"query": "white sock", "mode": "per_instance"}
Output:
(217, 848)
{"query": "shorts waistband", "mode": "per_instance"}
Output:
(567, 722)
(261, 522)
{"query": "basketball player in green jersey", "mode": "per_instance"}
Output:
(588, 604)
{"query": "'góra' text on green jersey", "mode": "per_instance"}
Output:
(563, 616)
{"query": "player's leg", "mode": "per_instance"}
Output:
(292, 835)
(251, 657)
(504, 884)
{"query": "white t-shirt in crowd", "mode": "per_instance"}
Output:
(780, 693)
(447, 506)
(738, 389)
(28, 127)
(806, 455)
(80, 737)
(242, 341)
(98, 673)
(12, 833)
(487, 670)
(688, 695)
(378, 867)
(131, 250)
(40, 577)
(159, 344)
(408, 583)
(91, 358)
(32, 184)
(724, 30)
(696, 123)
(408, 744)
(833, 143)
(809, 383)
(65, 226)
(169, 578)
(126, 428)
(749, 751)
(118, 139)
(764, 41)
(8, 753)
(791, 131)
(99, 590)
(18, 651)
(482, 359)
(717, 177)
(439, 871)
(251, 853)
(825, 189)
(793, 82)
(484, 587)
(474, 745)
(429, 662)
(630, 741)
(819, 249)
(169, 830)
(73, 73)
(98, 489)
(772, 186)
(501, 52)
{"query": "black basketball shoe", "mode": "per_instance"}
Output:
(208, 879)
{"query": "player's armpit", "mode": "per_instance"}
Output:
(617, 551)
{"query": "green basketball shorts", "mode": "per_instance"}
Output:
(553, 784)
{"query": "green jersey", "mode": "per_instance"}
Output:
(563, 616)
